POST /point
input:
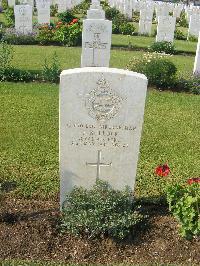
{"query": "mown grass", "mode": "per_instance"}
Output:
(29, 139)
(145, 42)
(30, 263)
(32, 58)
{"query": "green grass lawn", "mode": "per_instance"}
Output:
(145, 42)
(32, 57)
(29, 138)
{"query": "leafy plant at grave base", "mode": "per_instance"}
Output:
(52, 71)
(191, 84)
(183, 21)
(179, 35)
(163, 47)
(66, 17)
(9, 16)
(127, 29)
(11, 36)
(159, 70)
(53, 10)
(192, 38)
(184, 203)
(100, 211)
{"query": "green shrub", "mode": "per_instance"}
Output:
(191, 84)
(116, 17)
(66, 17)
(53, 10)
(100, 211)
(9, 16)
(184, 203)
(4, 4)
(51, 72)
(183, 21)
(127, 29)
(159, 70)
(6, 55)
(45, 34)
(163, 47)
(69, 35)
(18, 75)
(13, 37)
(179, 35)
(192, 38)
(82, 7)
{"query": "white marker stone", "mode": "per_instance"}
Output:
(43, 8)
(165, 29)
(11, 3)
(101, 117)
(23, 18)
(194, 25)
(96, 38)
(196, 70)
(145, 23)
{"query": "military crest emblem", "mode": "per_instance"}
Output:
(103, 103)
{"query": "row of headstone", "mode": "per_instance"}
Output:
(166, 13)
(63, 5)
(23, 14)
(101, 114)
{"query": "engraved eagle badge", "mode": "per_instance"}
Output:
(102, 102)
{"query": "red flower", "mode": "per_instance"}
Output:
(75, 20)
(162, 170)
(193, 180)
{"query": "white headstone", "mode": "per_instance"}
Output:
(62, 6)
(101, 117)
(11, 3)
(194, 25)
(43, 8)
(23, 18)
(165, 29)
(145, 23)
(196, 70)
(96, 38)
(26, 2)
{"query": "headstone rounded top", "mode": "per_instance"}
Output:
(103, 70)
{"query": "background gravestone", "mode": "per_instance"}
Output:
(196, 70)
(96, 38)
(43, 9)
(194, 25)
(23, 18)
(165, 29)
(101, 116)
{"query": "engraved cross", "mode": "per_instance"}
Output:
(98, 164)
(96, 44)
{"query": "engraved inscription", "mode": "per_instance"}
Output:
(102, 135)
(96, 28)
(103, 103)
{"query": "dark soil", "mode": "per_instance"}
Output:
(29, 230)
